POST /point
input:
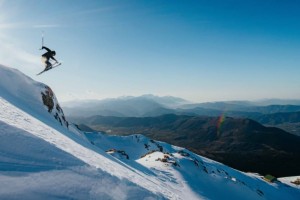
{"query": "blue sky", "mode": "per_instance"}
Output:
(205, 50)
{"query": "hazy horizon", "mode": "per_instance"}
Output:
(188, 100)
(197, 50)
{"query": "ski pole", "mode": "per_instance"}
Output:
(42, 40)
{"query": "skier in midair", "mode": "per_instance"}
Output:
(46, 57)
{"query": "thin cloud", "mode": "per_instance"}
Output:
(46, 26)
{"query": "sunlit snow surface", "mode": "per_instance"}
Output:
(41, 159)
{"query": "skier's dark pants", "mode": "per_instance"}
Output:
(46, 62)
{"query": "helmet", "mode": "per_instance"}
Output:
(53, 53)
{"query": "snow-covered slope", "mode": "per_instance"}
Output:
(293, 181)
(36, 149)
(186, 171)
(42, 156)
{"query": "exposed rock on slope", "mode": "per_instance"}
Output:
(50, 101)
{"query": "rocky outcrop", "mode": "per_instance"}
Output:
(50, 102)
(118, 153)
(47, 97)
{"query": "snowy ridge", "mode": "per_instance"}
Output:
(29, 95)
(180, 167)
(37, 143)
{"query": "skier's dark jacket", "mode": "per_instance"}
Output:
(49, 54)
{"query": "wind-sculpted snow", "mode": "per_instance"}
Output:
(44, 158)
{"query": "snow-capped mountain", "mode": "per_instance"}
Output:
(43, 156)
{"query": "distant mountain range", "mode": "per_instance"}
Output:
(150, 105)
(285, 116)
(240, 143)
(279, 118)
(146, 105)
(288, 121)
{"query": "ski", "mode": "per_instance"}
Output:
(56, 65)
